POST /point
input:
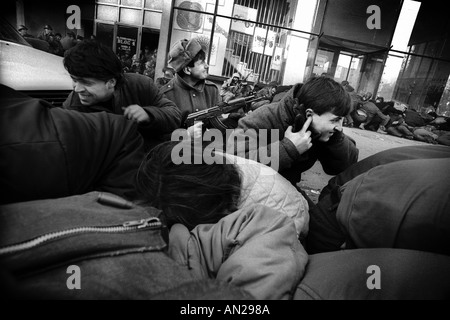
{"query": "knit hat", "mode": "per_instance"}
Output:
(183, 52)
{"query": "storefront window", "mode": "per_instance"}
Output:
(154, 4)
(253, 38)
(132, 3)
(107, 13)
(152, 19)
(108, 1)
(130, 16)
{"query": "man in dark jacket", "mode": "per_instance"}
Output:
(100, 85)
(50, 152)
(309, 124)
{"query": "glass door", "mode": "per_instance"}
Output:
(105, 34)
(371, 74)
(126, 40)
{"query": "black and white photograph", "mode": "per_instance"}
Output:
(224, 155)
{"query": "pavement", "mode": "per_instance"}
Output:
(368, 143)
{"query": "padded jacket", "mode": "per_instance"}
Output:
(255, 249)
(263, 185)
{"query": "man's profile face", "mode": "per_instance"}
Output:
(199, 70)
(325, 125)
(92, 91)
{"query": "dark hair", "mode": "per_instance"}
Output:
(91, 59)
(189, 194)
(323, 94)
(201, 55)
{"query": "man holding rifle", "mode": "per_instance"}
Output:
(230, 87)
(189, 89)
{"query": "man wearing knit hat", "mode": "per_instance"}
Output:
(189, 89)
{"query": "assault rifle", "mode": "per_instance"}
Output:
(212, 115)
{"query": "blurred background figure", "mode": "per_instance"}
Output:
(46, 33)
(230, 87)
(23, 30)
(68, 41)
(169, 73)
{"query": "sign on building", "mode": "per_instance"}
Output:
(264, 41)
(241, 12)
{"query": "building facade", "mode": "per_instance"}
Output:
(397, 49)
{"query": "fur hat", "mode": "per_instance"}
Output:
(183, 52)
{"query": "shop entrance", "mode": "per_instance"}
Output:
(127, 40)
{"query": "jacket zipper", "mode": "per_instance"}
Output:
(129, 226)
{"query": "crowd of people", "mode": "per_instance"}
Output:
(142, 63)
(239, 222)
(395, 118)
(53, 42)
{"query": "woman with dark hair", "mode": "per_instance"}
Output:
(235, 220)
(192, 187)
(191, 193)
(256, 248)
(100, 85)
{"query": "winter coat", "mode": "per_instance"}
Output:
(335, 155)
(263, 185)
(190, 99)
(50, 152)
(255, 249)
(137, 89)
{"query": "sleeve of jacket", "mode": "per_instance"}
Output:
(256, 249)
(164, 115)
(337, 154)
(279, 150)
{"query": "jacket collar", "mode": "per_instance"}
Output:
(199, 87)
(291, 103)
